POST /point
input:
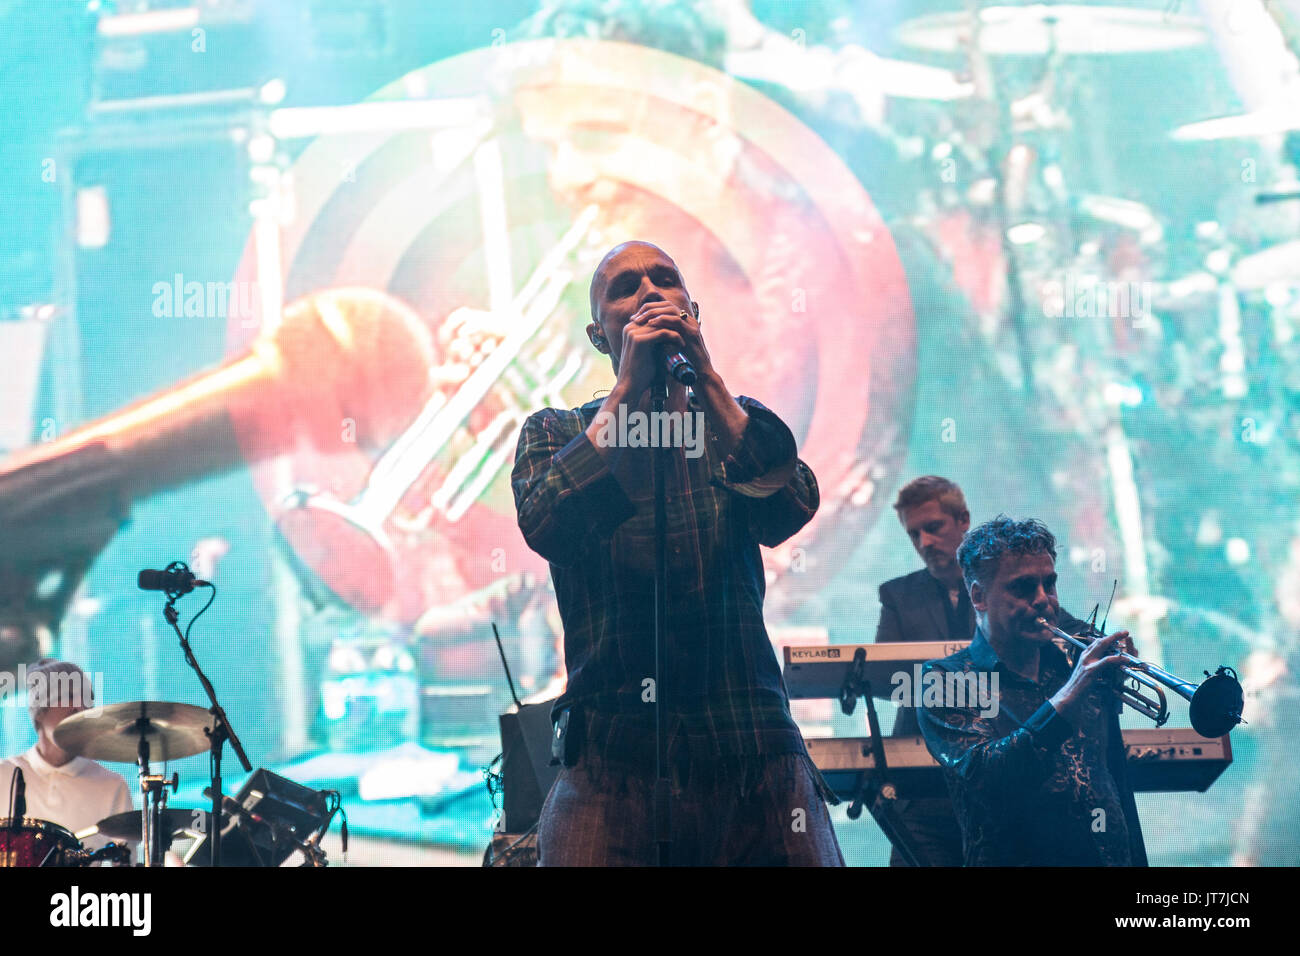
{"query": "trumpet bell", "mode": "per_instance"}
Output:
(1217, 704)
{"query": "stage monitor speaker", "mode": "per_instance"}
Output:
(276, 815)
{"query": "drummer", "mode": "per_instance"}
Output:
(62, 788)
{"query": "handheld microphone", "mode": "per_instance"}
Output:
(680, 368)
(20, 800)
(175, 579)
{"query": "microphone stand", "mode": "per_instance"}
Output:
(218, 734)
(663, 786)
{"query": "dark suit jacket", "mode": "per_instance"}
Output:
(911, 609)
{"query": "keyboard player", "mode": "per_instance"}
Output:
(929, 604)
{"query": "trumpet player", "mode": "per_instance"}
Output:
(1039, 778)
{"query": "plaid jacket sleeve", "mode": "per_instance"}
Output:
(564, 492)
(765, 466)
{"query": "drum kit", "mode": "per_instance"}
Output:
(28, 842)
(1004, 214)
(135, 732)
(263, 825)
(288, 816)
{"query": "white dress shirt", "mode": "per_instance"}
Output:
(75, 796)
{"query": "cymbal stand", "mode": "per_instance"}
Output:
(154, 787)
(1002, 157)
(218, 733)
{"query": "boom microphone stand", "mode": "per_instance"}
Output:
(663, 786)
(218, 734)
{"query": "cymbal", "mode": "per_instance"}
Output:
(1128, 214)
(853, 69)
(1276, 264)
(113, 732)
(126, 826)
(1264, 122)
(1043, 27)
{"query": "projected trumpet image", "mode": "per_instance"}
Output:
(653, 432)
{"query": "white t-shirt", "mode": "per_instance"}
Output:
(75, 796)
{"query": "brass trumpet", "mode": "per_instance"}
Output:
(1216, 704)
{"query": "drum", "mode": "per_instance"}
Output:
(37, 843)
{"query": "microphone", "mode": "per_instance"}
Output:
(174, 581)
(20, 800)
(680, 368)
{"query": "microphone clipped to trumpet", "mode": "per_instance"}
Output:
(1216, 703)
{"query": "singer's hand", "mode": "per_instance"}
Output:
(646, 345)
(665, 315)
(727, 420)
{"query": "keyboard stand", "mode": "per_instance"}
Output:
(873, 787)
